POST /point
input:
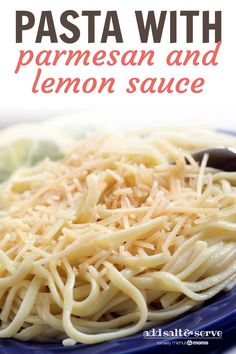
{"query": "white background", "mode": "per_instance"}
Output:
(216, 105)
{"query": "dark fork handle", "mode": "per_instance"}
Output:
(220, 158)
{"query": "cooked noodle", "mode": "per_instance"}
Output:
(122, 233)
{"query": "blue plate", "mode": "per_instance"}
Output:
(217, 314)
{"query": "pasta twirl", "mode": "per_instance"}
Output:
(122, 232)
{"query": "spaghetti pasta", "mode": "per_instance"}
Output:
(123, 232)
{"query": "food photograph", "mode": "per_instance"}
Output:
(117, 178)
